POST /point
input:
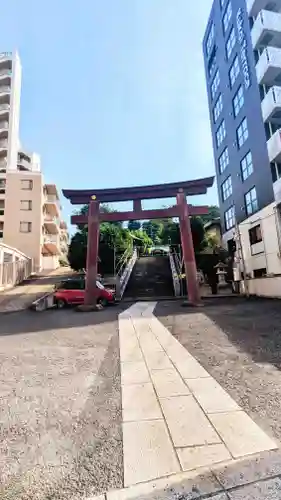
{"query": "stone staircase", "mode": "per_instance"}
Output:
(151, 278)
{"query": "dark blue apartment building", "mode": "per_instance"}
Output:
(242, 55)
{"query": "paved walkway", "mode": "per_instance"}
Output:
(176, 417)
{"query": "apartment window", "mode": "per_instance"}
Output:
(227, 17)
(234, 71)
(26, 184)
(215, 84)
(223, 160)
(210, 38)
(247, 166)
(229, 218)
(221, 133)
(238, 100)
(230, 44)
(212, 64)
(26, 205)
(226, 188)
(255, 235)
(218, 108)
(242, 132)
(260, 273)
(25, 227)
(251, 201)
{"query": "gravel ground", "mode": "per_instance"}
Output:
(239, 343)
(60, 412)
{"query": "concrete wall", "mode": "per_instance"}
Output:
(265, 254)
(265, 287)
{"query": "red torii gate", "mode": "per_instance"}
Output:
(94, 197)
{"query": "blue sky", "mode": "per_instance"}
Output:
(113, 91)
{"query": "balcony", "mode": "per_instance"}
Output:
(4, 129)
(4, 109)
(274, 147)
(52, 205)
(3, 165)
(51, 223)
(267, 30)
(3, 145)
(5, 89)
(268, 67)
(255, 6)
(271, 106)
(51, 244)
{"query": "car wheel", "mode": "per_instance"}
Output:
(60, 303)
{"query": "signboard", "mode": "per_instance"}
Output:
(243, 48)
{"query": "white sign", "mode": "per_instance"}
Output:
(244, 47)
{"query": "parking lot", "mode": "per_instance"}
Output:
(60, 426)
(60, 413)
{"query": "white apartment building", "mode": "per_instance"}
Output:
(30, 212)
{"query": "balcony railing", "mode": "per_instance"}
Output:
(274, 147)
(271, 105)
(3, 144)
(268, 67)
(5, 72)
(4, 89)
(4, 125)
(267, 30)
(4, 107)
(51, 238)
(255, 6)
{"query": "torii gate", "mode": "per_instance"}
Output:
(94, 197)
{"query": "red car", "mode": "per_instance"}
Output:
(72, 292)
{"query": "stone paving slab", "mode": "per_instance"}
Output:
(199, 423)
(134, 372)
(148, 452)
(202, 456)
(168, 383)
(187, 423)
(139, 403)
(241, 434)
(211, 395)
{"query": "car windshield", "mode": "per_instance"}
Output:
(99, 285)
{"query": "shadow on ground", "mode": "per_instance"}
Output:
(253, 325)
(23, 322)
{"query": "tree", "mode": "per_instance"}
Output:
(134, 225)
(77, 251)
(213, 213)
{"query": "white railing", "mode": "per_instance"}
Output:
(4, 107)
(122, 281)
(49, 238)
(15, 266)
(4, 125)
(5, 72)
(5, 88)
(6, 55)
(176, 281)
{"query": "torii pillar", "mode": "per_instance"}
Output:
(92, 253)
(188, 251)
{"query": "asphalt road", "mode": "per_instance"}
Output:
(60, 410)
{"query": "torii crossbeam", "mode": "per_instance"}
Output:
(181, 210)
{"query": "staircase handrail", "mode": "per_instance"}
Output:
(175, 274)
(125, 275)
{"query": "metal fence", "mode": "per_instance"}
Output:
(13, 273)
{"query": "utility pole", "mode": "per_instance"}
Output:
(241, 256)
